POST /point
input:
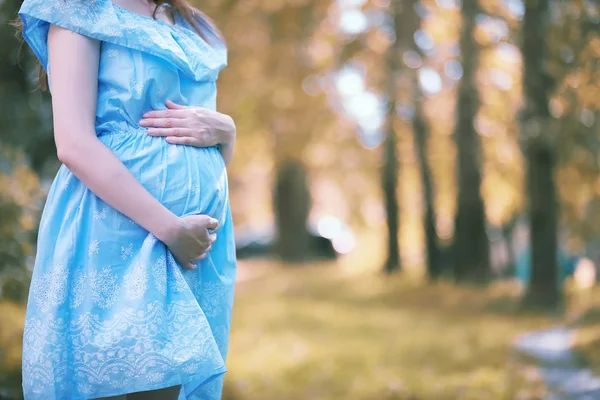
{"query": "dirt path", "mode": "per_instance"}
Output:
(559, 365)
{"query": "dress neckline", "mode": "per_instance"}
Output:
(149, 18)
(180, 24)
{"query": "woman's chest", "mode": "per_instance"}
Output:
(120, 64)
(128, 74)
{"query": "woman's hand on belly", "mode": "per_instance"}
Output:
(192, 241)
(192, 126)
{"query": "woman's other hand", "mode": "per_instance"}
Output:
(192, 239)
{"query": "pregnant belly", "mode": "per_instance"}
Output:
(186, 179)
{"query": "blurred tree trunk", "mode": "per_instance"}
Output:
(292, 206)
(290, 27)
(420, 130)
(389, 171)
(537, 138)
(471, 245)
(389, 177)
(420, 134)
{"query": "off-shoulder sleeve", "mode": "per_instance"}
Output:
(101, 20)
(92, 18)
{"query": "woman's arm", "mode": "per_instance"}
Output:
(227, 148)
(193, 126)
(74, 60)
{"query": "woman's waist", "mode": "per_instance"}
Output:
(116, 134)
(182, 191)
(140, 151)
(119, 127)
(185, 179)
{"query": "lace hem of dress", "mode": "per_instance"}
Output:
(119, 355)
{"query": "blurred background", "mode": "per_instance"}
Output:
(416, 185)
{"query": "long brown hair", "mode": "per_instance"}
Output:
(196, 18)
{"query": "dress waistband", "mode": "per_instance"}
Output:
(119, 128)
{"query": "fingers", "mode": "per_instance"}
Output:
(173, 110)
(208, 250)
(164, 121)
(167, 113)
(174, 106)
(190, 266)
(205, 221)
(186, 264)
(185, 140)
(206, 226)
(213, 224)
(169, 132)
(202, 257)
(192, 139)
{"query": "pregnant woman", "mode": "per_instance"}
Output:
(133, 281)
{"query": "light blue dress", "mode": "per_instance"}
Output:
(110, 311)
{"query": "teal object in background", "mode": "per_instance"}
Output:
(566, 266)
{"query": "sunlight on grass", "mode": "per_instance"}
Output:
(342, 330)
(321, 333)
(11, 332)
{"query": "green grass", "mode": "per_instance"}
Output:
(11, 333)
(322, 333)
(336, 331)
(587, 323)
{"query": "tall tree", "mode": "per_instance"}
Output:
(409, 96)
(572, 61)
(292, 206)
(389, 171)
(471, 245)
(290, 28)
(270, 59)
(420, 135)
(420, 130)
(537, 134)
